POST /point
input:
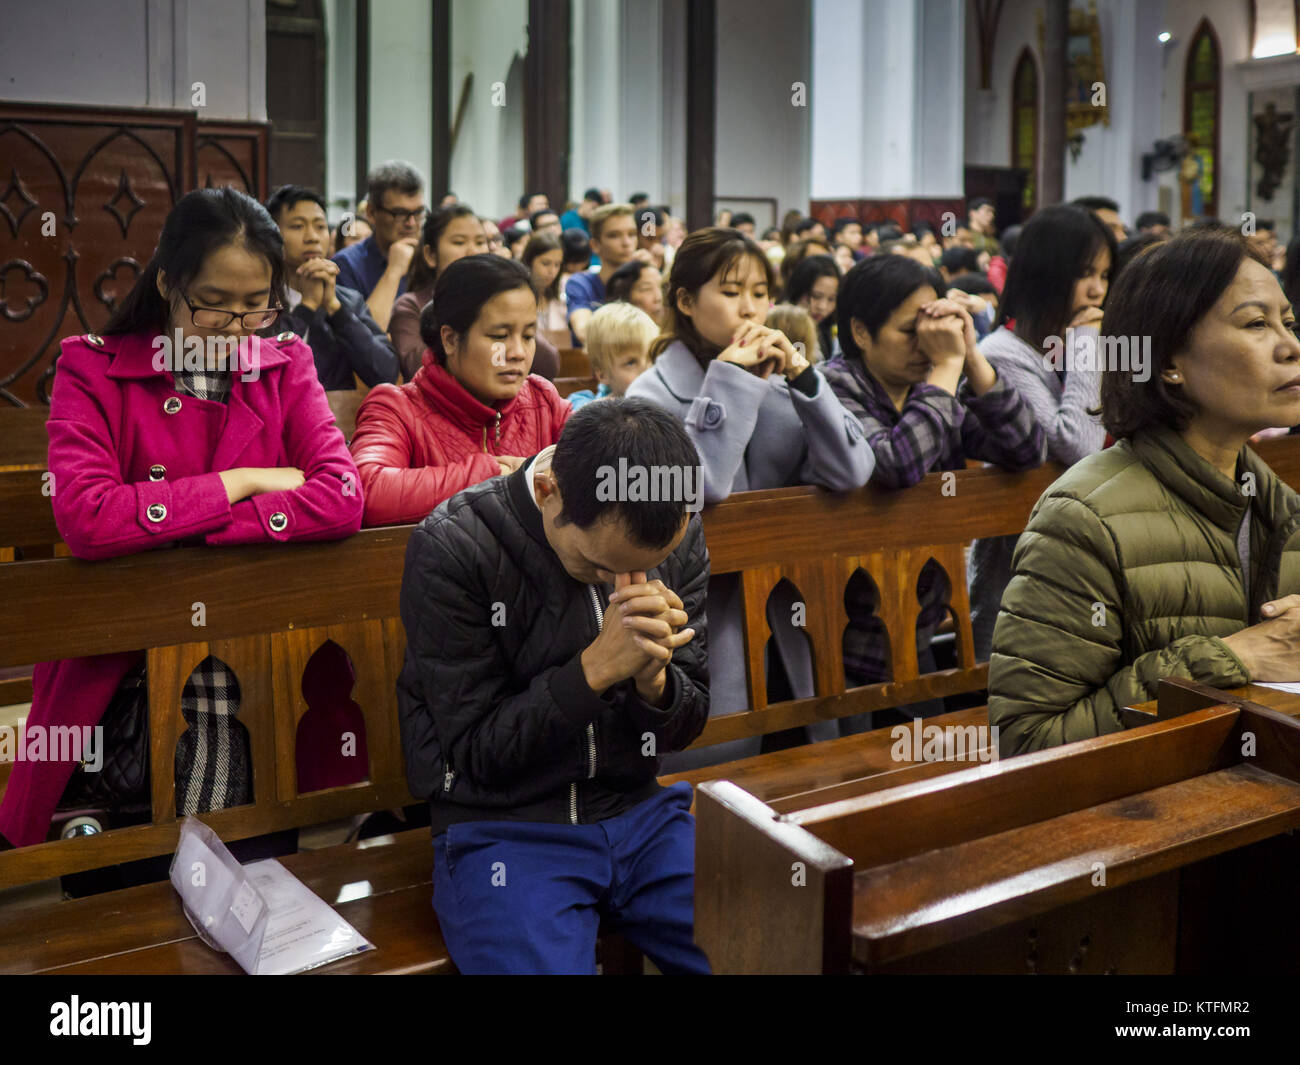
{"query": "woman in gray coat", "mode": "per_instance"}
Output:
(761, 417)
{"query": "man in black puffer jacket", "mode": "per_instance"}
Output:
(534, 704)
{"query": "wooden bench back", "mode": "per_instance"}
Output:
(25, 516)
(265, 609)
(566, 386)
(574, 362)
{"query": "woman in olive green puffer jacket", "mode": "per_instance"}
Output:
(1140, 563)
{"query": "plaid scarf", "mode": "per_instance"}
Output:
(213, 756)
(212, 385)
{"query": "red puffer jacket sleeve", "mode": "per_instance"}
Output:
(396, 493)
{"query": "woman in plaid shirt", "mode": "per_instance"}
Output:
(927, 400)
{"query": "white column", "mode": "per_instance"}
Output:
(764, 128)
(340, 106)
(401, 57)
(888, 108)
(595, 88)
(487, 169)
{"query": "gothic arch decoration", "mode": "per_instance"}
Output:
(1024, 126)
(10, 292)
(1202, 99)
(83, 195)
(108, 276)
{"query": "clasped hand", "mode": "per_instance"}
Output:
(764, 351)
(643, 625)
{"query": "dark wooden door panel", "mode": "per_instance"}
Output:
(83, 194)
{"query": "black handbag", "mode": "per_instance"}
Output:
(122, 782)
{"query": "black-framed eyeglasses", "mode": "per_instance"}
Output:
(402, 217)
(215, 318)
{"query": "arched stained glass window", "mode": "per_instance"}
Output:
(1201, 92)
(1024, 126)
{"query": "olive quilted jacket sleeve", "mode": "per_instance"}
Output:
(1061, 667)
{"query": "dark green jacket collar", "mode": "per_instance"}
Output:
(1206, 490)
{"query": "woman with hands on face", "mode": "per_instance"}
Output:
(927, 400)
(760, 416)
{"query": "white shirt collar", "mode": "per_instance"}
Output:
(541, 463)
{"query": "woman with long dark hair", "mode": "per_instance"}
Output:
(449, 233)
(641, 284)
(473, 411)
(761, 416)
(1050, 309)
(544, 258)
(181, 424)
(813, 285)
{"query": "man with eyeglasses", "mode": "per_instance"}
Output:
(333, 319)
(377, 267)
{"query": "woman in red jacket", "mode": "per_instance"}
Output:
(473, 411)
(160, 435)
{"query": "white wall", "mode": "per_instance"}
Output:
(628, 99)
(938, 140)
(763, 140)
(487, 168)
(839, 79)
(1144, 83)
(1231, 21)
(888, 79)
(137, 53)
(340, 106)
(401, 57)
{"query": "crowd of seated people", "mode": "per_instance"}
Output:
(835, 353)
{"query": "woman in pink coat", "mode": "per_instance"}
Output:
(155, 443)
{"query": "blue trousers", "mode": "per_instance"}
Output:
(526, 897)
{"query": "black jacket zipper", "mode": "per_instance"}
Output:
(591, 728)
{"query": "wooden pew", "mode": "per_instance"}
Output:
(259, 600)
(344, 404)
(574, 362)
(566, 386)
(558, 338)
(25, 517)
(1102, 856)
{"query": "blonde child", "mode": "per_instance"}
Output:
(797, 324)
(618, 343)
